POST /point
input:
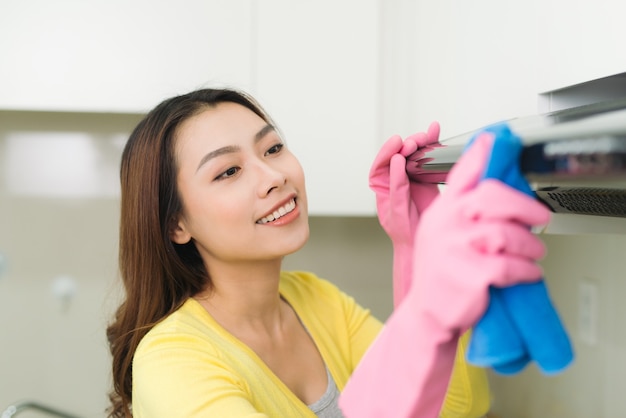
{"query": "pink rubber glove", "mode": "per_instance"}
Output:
(472, 236)
(396, 177)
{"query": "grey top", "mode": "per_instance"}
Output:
(327, 406)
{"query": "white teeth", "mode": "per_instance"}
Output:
(282, 211)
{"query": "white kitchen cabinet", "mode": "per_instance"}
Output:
(313, 65)
(477, 63)
(119, 56)
(317, 73)
(579, 41)
(471, 63)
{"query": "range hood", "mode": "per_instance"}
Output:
(575, 161)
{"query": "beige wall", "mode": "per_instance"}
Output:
(52, 227)
(593, 385)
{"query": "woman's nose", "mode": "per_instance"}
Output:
(269, 178)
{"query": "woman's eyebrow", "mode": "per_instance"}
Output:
(264, 131)
(216, 153)
(232, 148)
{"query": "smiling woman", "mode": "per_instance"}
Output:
(212, 201)
(233, 167)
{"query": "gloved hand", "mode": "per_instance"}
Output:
(474, 236)
(471, 237)
(520, 323)
(403, 190)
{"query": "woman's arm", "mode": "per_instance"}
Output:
(471, 237)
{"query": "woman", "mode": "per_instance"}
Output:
(212, 200)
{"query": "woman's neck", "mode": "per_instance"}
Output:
(244, 296)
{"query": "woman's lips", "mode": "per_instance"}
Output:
(280, 212)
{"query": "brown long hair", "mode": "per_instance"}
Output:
(158, 275)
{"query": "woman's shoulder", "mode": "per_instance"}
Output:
(186, 327)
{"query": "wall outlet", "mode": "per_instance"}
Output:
(588, 312)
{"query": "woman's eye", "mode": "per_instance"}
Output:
(228, 173)
(275, 149)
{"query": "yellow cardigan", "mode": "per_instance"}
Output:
(189, 366)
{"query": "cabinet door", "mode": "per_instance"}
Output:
(119, 56)
(580, 41)
(317, 74)
(472, 63)
(476, 63)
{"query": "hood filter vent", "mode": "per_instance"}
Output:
(584, 200)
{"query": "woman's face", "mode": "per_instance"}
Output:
(243, 191)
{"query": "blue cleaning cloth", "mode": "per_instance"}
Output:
(520, 324)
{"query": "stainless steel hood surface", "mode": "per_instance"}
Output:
(575, 160)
